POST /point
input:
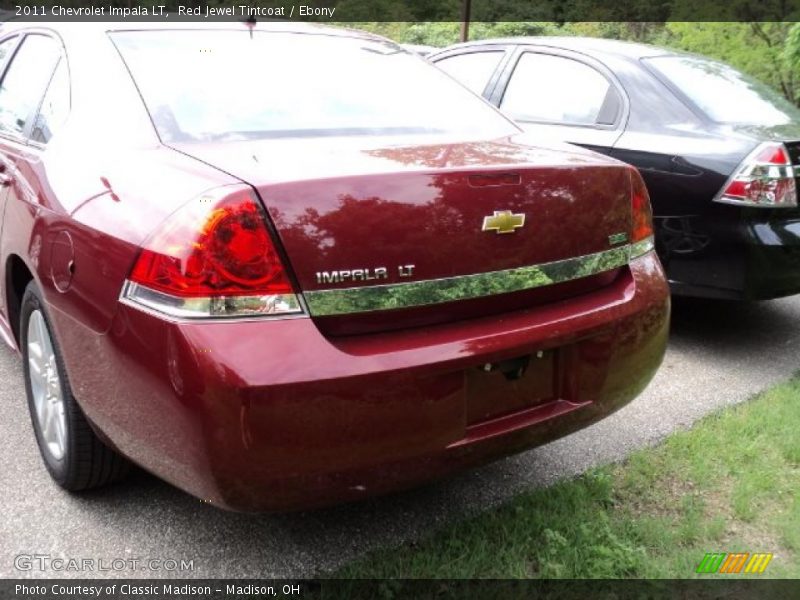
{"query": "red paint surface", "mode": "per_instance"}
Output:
(269, 415)
(385, 203)
(274, 415)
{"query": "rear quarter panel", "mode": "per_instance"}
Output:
(100, 186)
(106, 205)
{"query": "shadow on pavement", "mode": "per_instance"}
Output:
(733, 326)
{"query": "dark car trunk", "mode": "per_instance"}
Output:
(354, 217)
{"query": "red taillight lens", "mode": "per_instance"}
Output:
(229, 252)
(641, 213)
(772, 154)
(214, 257)
(239, 248)
(765, 178)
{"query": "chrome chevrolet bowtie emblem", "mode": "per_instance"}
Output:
(503, 221)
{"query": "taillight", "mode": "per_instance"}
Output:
(641, 216)
(765, 178)
(214, 257)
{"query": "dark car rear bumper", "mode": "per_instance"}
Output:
(773, 259)
(273, 415)
(732, 253)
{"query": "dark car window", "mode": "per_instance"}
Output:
(229, 85)
(473, 69)
(25, 81)
(723, 93)
(556, 89)
(55, 106)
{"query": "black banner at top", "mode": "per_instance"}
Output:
(558, 11)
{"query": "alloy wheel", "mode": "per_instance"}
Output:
(46, 388)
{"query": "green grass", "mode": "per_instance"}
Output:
(730, 484)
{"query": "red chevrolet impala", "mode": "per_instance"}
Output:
(282, 266)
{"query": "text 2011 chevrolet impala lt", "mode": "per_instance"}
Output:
(286, 266)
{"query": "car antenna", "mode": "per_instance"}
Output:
(250, 21)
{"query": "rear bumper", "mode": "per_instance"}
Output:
(773, 259)
(272, 415)
(733, 253)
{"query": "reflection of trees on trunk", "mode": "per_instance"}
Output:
(570, 211)
(371, 231)
(496, 154)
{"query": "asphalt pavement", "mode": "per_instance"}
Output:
(719, 354)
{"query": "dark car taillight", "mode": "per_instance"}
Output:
(214, 257)
(641, 216)
(765, 178)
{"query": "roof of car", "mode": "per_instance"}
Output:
(578, 44)
(261, 25)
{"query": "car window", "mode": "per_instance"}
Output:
(555, 89)
(473, 69)
(723, 93)
(25, 81)
(55, 106)
(234, 86)
(6, 47)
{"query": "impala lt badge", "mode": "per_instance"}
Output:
(503, 221)
(345, 275)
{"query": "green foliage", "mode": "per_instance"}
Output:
(635, 32)
(443, 33)
(791, 56)
(432, 34)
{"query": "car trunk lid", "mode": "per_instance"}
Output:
(381, 236)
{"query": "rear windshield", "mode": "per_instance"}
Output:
(231, 85)
(723, 93)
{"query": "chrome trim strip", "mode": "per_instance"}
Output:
(642, 247)
(322, 303)
(169, 308)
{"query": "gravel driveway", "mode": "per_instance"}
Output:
(719, 354)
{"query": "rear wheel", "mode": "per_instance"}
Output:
(73, 454)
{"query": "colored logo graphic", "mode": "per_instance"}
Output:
(738, 562)
(503, 221)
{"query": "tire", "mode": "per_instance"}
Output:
(74, 456)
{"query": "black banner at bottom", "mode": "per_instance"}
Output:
(390, 589)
